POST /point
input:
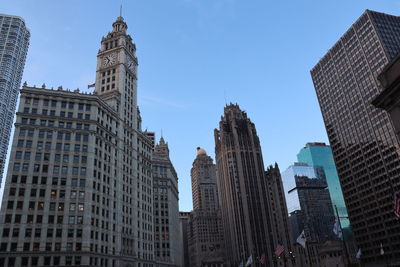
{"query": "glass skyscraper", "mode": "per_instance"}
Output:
(14, 42)
(307, 194)
(319, 154)
(362, 137)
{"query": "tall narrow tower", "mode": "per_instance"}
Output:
(246, 211)
(206, 242)
(167, 242)
(116, 72)
(14, 42)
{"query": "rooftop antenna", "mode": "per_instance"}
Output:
(120, 11)
(161, 133)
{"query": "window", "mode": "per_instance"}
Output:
(27, 155)
(22, 132)
(71, 219)
(80, 106)
(74, 182)
(69, 125)
(17, 166)
(18, 155)
(20, 143)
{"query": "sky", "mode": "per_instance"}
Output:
(197, 55)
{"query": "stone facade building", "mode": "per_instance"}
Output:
(184, 232)
(363, 138)
(79, 189)
(206, 241)
(167, 242)
(14, 42)
(280, 218)
(244, 193)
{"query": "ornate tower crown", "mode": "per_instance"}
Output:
(119, 25)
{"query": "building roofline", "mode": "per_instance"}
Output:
(17, 17)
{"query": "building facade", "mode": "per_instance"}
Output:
(206, 238)
(167, 242)
(243, 190)
(14, 42)
(319, 154)
(280, 218)
(362, 137)
(79, 188)
(184, 226)
(306, 190)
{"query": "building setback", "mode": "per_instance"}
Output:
(78, 190)
(206, 240)
(14, 42)
(362, 137)
(167, 242)
(243, 189)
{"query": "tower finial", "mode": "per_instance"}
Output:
(120, 11)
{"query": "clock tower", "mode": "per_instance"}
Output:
(116, 72)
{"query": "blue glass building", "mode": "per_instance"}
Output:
(320, 154)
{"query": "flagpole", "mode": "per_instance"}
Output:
(344, 242)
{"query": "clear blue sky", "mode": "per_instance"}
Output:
(190, 52)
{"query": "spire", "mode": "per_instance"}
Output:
(119, 24)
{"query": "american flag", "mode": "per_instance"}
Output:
(279, 249)
(262, 259)
(396, 205)
(91, 85)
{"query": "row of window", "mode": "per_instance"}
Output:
(52, 112)
(45, 169)
(34, 261)
(51, 123)
(47, 145)
(42, 192)
(46, 157)
(51, 219)
(53, 103)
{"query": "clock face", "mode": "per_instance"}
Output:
(109, 60)
(131, 65)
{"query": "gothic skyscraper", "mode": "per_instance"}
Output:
(79, 188)
(243, 188)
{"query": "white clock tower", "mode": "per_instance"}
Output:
(116, 72)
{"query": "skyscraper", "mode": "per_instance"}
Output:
(362, 137)
(79, 185)
(245, 205)
(14, 42)
(306, 190)
(167, 242)
(206, 240)
(319, 154)
(279, 214)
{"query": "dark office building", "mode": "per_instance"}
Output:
(362, 137)
(243, 189)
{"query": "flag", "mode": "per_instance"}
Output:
(337, 230)
(382, 251)
(302, 239)
(279, 249)
(91, 85)
(359, 254)
(249, 261)
(262, 259)
(241, 264)
(396, 205)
